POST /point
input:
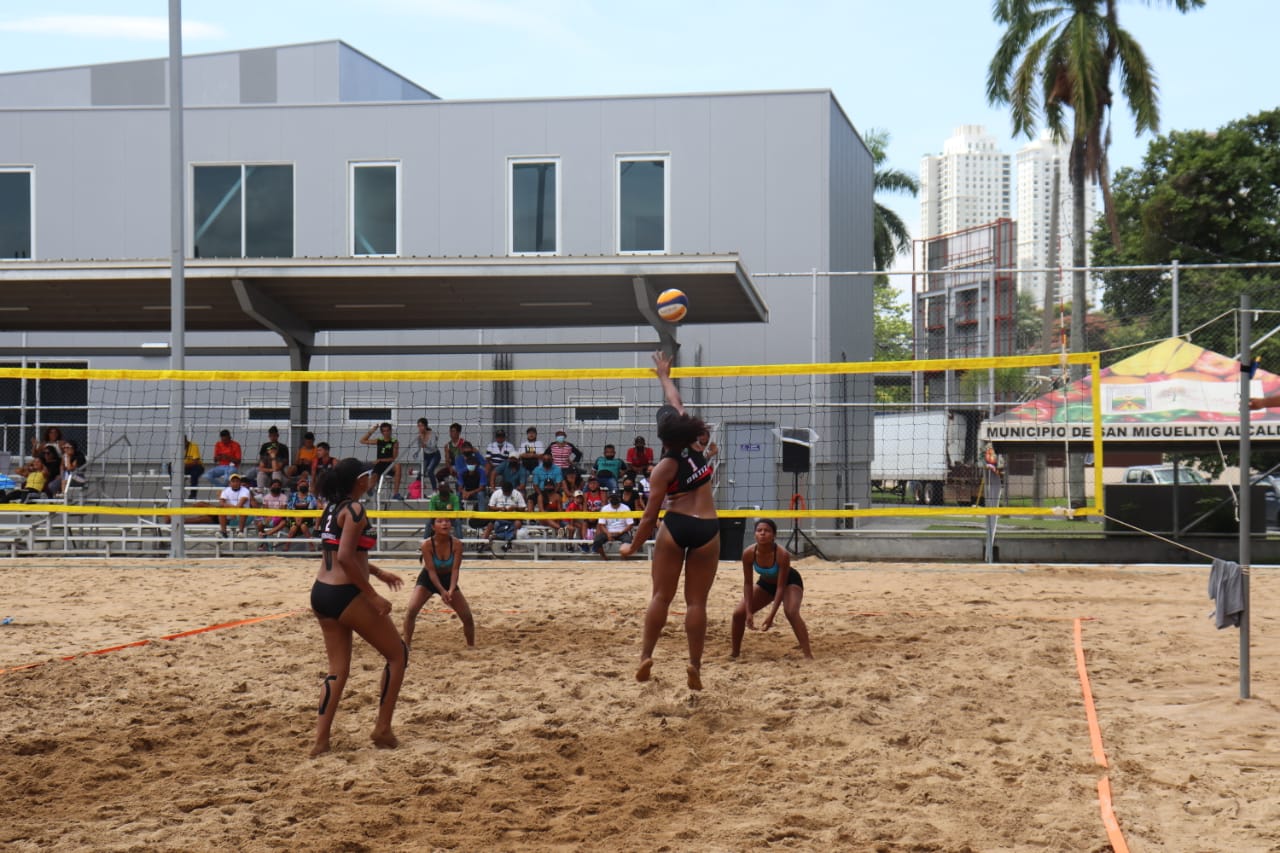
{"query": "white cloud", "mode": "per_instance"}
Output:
(110, 26)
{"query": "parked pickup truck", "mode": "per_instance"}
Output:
(1162, 475)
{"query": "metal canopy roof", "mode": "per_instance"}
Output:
(301, 296)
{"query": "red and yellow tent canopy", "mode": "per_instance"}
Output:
(1165, 397)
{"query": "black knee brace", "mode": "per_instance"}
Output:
(324, 703)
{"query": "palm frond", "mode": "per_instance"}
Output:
(891, 237)
(1137, 82)
(896, 181)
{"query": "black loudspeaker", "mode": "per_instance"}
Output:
(795, 456)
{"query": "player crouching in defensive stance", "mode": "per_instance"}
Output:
(779, 583)
(345, 602)
(441, 557)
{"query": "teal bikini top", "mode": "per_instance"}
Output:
(770, 573)
(447, 562)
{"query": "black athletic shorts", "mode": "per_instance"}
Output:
(793, 579)
(424, 581)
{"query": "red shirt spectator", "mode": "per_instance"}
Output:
(227, 450)
(639, 457)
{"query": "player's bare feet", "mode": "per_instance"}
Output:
(385, 740)
(646, 667)
(321, 747)
(695, 677)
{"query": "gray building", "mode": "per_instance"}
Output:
(319, 154)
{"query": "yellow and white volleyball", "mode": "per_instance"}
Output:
(672, 305)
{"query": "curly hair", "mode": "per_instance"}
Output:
(337, 483)
(678, 431)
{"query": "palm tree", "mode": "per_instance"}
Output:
(891, 235)
(1062, 54)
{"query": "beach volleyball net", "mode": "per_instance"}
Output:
(832, 442)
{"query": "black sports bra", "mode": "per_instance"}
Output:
(692, 470)
(331, 533)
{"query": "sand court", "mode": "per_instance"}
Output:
(943, 712)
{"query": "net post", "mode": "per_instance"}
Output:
(1246, 360)
(1095, 396)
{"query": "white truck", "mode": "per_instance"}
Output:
(927, 457)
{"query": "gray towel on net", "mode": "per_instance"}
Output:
(1226, 588)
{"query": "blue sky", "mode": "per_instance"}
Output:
(916, 68)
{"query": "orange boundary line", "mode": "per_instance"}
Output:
(136, 643)
(1109, 821)
(235, 624)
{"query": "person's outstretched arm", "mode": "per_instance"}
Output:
(670, 393)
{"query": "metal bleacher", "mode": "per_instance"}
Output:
(38, 531)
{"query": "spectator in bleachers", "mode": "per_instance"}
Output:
(192, 466)
(323, 461)
(37, 479)
(506, 498)
(593, 498)
(444, 500)
(609, 468)
(642, 481)
(630, 496)
(236, 494)
(452, 449)
(612, 529)
(72, 461)
(530, 453)
(572, 482)
(575, 528)
(551, 501)
(226, 459)
(428, 451)
(49, 438)
(52, 458)
(301, 466)
(272, 446)
(639, 457)
(500, 458)
(564, 453)
(301, 525)
(546, 474)
(472, 482)
(270, 525)
(388, 450)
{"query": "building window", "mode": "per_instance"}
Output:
(243, 211)
(16, 214)
(375, 209)
(533, 199)
(643, 193)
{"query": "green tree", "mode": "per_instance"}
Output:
(1200, 198)
(893, 323)
(891, 235)
(1059, 55)
(892, 340)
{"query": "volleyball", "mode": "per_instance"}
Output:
(673, 305)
